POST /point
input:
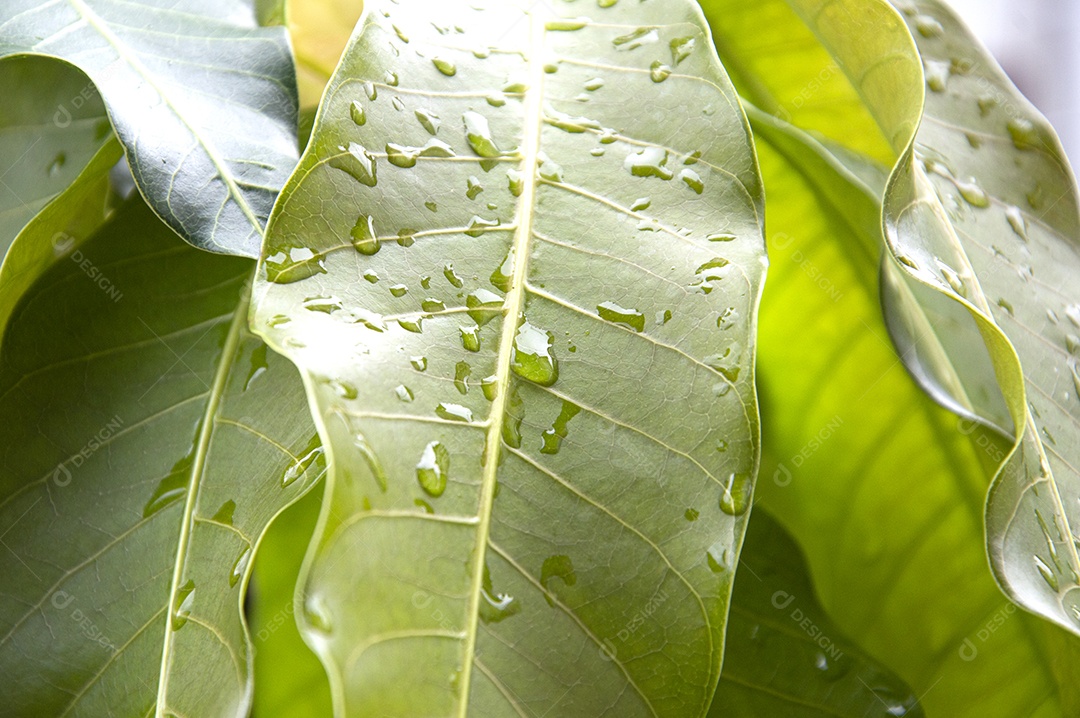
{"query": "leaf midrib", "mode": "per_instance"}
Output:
(534, 123)
(198, 470)
(99, 24)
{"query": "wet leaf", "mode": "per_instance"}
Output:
(529, 508)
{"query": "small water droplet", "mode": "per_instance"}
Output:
(317, 615)
(399, 290)
(470, 338)
(311, 454)
(418, 363)
(736, 497)
(973, 194)
(483, 306)
(490, 387)
(356, 111)
(928, 27)
(1048, 575)
(182, 604)
(560, 567)
(404, 393)
(635, 39)
(240, 566)
(721, 237)
(444, 66)
(1017, 222)
(429, 120)
(612, 312)
(478, 225)
(358, 163)
(433, 305)
(433, 469)
(343, 389)
(364, 237)
(682, 48)
(691, 515)
(462, 372)
(594, 84)
(516, 182)
(474, 188)
(1004, 304)
(659, 72)
(566, 24)
(478, 134)
(937, 75)
(718, 557)
(549, 169)
(371, 91)
(649, 162)
(224, 514)
(371, 276)
(640, 204)
(453, 412)
(692, 180)
(496, 606)
(1024, 133)
(503, 276)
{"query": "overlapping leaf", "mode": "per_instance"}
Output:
(519, 267)
(784, 656)
(148, 441)
(202, 98)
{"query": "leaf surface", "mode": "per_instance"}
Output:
(149, 440)
(784, 655)
(203, 99)
(519, 267)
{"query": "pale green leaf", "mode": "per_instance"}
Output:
(492, 191)
(203, 99)
(148, 441)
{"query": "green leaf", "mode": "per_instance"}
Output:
(985, 213)
(52, 123)
(526, 323)
(784, 655)
(883, 493)
(149, 440)
(202, 98)
(289, 680)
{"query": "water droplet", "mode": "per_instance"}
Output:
(401, 35)
(462, 372)
(453, 412)
(553, 437)
(474, 188)
(736, 497)
(399, 290)
(182, 604)
(416, 326)
(483, 306)
(433, 305)
(496, 99)
(560, 567)
(973, 194)
(640, 204)
(470, 338)
(692, 180)
(343, 389)
(371, 276)
(431, 206)
(937, 75)
(650, 162)
(718, 557)
(1017, 222)
(659, 72)
(515, 414)
(682, 48)
(663, 317)
(503, 277)
(429, 120)
(478, 225)
(516, 182)
(224, 514)
(953, 279)
(1025, 135)
(317, 615)
(356, 111)
(1048, 575)
(594, 84)
(928, 27)
(532, 356)
(358, 163)
(1072, 312)
(567, 24)
(404, 393)
(433, 469)
(444, 66)
(311, 454)
(364, 237)
(490, 387)
(1004, 304)
(631, 318)
(721, 237)
(172, 488)
(418, 363)
(549, 169)
(691, 515)
(496, 606)
(57, 164)
(635, 39)
(371, 91)
(478, 133)
(240, 566)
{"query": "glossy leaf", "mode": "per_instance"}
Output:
(519, 267)
(148, 441)
(52, 123)
(986, 213)
(784, 655)
(202, 98)
(882, 491)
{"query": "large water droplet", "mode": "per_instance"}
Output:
(470, 338)
(358, 163)
(483, 306)
(533, 356)
(364, 237)
(692, 180)
(454, 412)
(444, 66)
(429, 120)
(356, 111)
